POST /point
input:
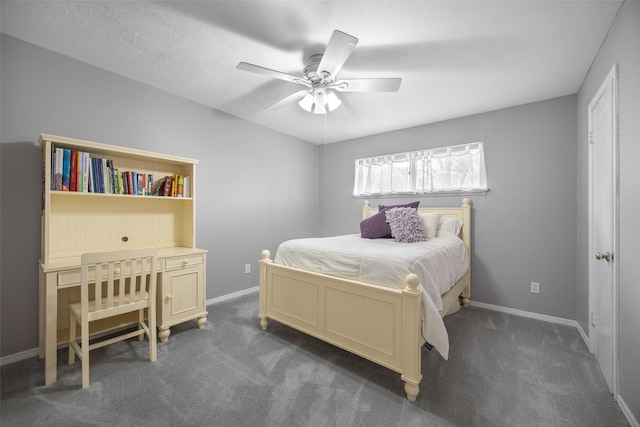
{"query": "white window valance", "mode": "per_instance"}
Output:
(446, 169)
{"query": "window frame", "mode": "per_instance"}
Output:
(422, 183)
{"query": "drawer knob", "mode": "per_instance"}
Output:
(116, 271)
(169, 296)
(185, 262)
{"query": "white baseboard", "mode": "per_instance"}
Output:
(232, 295)
(16, 357)
(585, 338)
(627, 413)
(528, 314)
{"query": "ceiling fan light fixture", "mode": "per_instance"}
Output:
(320, 102)
(306, 103)
(333, 101)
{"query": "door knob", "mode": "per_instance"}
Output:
(605, 256)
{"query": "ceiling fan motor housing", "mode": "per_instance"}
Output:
(311, 70)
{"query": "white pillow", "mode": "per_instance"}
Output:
(430, 223)
(448, 224)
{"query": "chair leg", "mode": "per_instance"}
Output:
(140, 323)
(72, 338)
(153, 341)
(85, 353)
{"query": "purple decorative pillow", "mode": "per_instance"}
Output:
(375, 227)
(405, 225)
(413, 205)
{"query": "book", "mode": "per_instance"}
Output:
(120, 183)
(98, 174)
(85, 172)
(57, 174)
(130, 187)
(186, 187)
(73, 171)
(134, 183)
(179, 186)
(79, 176)
(168, 184)
(158, 187)
(66, 168)
(105, 177)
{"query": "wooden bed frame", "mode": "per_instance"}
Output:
(378, 323)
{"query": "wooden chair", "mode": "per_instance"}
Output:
(114, 283)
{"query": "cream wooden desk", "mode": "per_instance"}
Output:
(181, 297)
(98, 197)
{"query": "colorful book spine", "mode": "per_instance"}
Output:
(130, 187)
(66, 168)
(57, 174)
(79, 171)
(85, 172)
(180, 186)
(119, 178)
(73, 171)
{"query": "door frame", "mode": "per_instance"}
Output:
(611, 79)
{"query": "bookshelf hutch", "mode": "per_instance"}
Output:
(81, 220)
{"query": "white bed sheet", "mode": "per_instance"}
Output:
(439, 263)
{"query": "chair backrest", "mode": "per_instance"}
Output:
(121, 278)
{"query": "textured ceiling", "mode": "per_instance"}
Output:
(455, 58)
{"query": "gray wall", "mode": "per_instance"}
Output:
(621, 47)
(524, 227)
(255, 187)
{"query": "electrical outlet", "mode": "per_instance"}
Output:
(535, 287)
(247, 268)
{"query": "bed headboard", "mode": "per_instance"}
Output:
(462, 213)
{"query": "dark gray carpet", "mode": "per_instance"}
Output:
(504, 370)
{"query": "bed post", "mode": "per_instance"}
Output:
(466, 237)
(262, 307)
(412, 338)
(365, 209)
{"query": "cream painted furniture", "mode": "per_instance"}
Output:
(119, 282)
(74, 223)
(342, 312)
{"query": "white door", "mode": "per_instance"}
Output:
(603, 228)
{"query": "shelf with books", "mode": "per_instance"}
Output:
(111, 196)
(74, 170)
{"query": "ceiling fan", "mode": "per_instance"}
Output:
(320, 78)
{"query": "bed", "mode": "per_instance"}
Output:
(386, 323)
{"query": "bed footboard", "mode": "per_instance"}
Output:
(378, 323)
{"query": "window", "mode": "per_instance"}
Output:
(459, 168)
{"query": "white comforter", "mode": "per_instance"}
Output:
(439, 263)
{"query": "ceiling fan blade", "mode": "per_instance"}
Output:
(368, 85)
(287, 100)
(338, 50)
(272, 73)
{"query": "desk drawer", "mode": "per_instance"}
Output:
(183, 261)
(72, 277)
